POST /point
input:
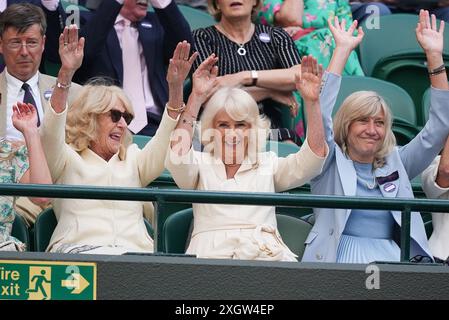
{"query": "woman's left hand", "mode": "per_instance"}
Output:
(180, 64)
(429, 37)
(309, 81)
(71, 49)
(24, 116)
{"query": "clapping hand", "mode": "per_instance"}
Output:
(429, 37)
(71, 49)
(24, 116)
(204, 78)
(180, 64)
(309, 81)
(345, 39)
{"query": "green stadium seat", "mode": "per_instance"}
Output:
(45, 225)
(294, 232)
(196, 18)
(43, 229)
(425, 105)
(392, 53)
(398, 99)
(20, 231)
(176, 231)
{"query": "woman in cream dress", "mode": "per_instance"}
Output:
(233, 135)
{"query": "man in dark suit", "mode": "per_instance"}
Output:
(109, 31)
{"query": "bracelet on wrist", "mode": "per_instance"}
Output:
(440, 69)
(190, 122)
(178, 110)
(63, 85)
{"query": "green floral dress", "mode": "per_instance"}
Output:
(316, 39)
(14, 163)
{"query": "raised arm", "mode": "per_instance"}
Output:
(420, 152)
(345, 42)
(308, 84)
(203, 85)
(24, 119)
(53, 127)
(307, 163)
(151, 159)
(71, 54)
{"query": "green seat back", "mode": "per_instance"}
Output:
(43, 229)
(175, 231)
(395, 36)
(410, 74)
(400, 103)
(46, 223)
(294, 232)
(196, 18)
(425, 105)
(282, 149)
(20, 231)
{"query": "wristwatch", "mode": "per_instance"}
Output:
(254, 76)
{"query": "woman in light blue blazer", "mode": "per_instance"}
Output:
(365, 161)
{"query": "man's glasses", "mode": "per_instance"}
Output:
(16, 45)
(117, 115)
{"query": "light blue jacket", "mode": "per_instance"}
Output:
(339, 175)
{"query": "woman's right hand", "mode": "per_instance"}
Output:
(180, 64)
(71, 49)
(24, 117)
(345, 39)
(204, 78)
(429, 37)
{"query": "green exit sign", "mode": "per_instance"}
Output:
(47, 280)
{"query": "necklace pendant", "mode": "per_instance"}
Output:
(241, 51)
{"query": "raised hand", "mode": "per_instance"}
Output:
(24, 116)
(71, 49)
(180, 64)
(309, 81)
(345, 38)
(429, 37)
(204, 78)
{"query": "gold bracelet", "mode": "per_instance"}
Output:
(179, 110)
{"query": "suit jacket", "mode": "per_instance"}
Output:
(45, 83)
(339, 175)
(159, 33)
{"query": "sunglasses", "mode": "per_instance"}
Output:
(117, 115)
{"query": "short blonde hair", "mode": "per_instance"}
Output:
(240, 106)
(359, 105)
(215, 11)
(93, 100)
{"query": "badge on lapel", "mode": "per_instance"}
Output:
(146, 25)
(387, 181)
(47, 94)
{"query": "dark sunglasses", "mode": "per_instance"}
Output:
(117, 115)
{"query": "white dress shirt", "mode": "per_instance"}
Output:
(15, 94)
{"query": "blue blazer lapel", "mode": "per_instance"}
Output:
(348, 176)
(146, 38)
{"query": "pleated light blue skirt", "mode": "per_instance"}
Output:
(353, 249)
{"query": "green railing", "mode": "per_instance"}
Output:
(164, 196)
